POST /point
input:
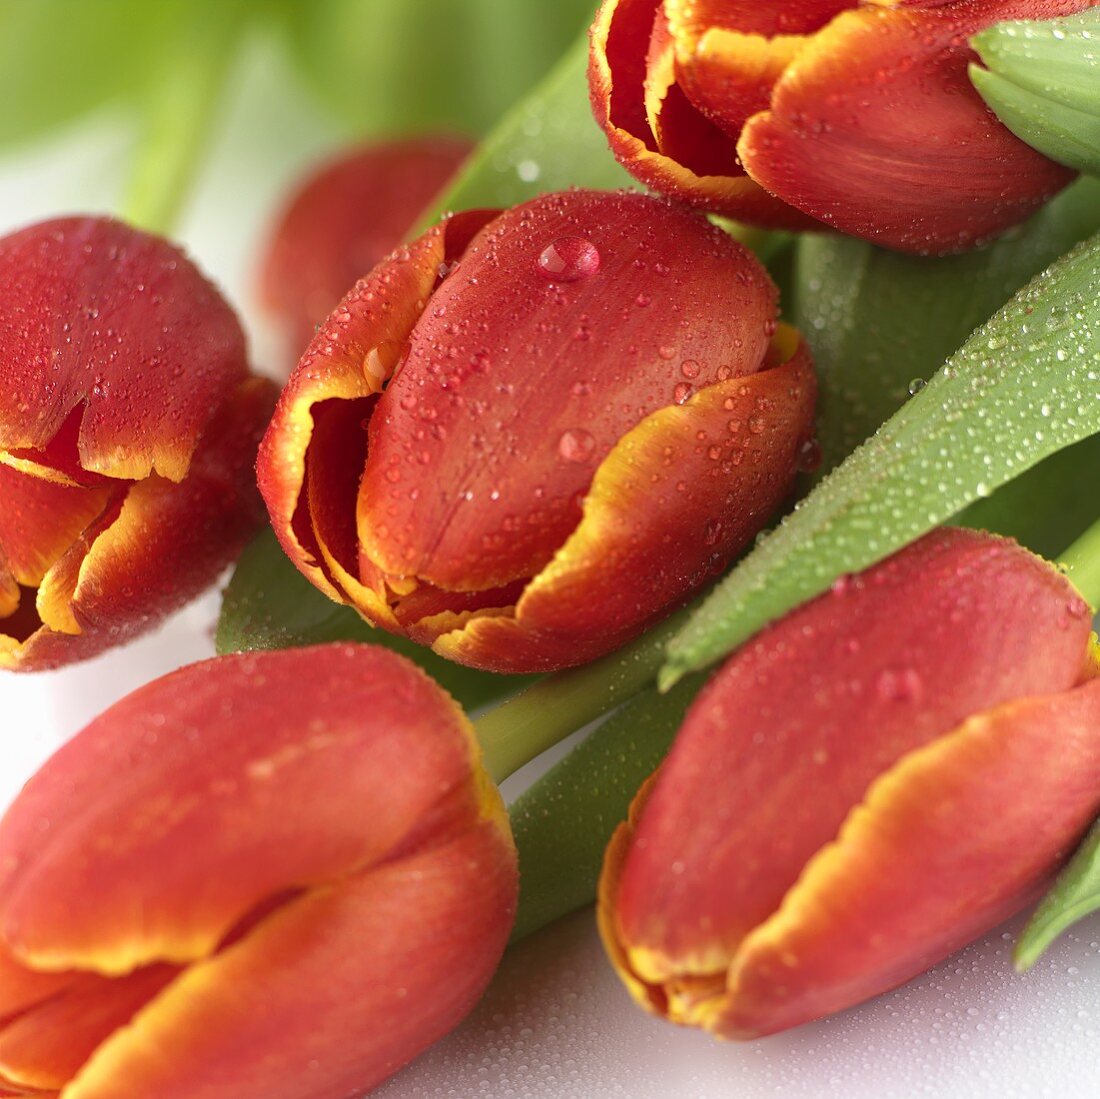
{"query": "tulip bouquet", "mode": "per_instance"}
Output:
(732, 390)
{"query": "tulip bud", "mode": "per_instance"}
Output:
(265, 876)
(855, 115)
(529, 435)
(343, 219)
(878, 778)
(128, 430)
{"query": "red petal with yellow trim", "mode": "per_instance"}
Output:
(97, 315)
(344, 219)
(517, 382)
(619, 68)
(876, 130)
(801, 726)
(322, 948)
(676, 499)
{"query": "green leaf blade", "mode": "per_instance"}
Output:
(1075, 895)
(1024, 386)
(1040, 78)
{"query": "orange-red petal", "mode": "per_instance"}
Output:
(875, 129)
(953, 840)
(674, 501)
(621, 36)
(151, 550)
(193, 831)
(790, 733)
(344, 219)
(100, 315)
(331, 994)
(517, 384)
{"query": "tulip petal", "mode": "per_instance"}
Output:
(208, 759)
(621, 38)
(675, 304)
(654, 528)
(152, 550)
(45, 1047)
(335, 991)
(40, 519)
(791, 732)
(352, 356)
(347, 218)
(99, 315)
(898, 891)
(875, 129)
(22, 988)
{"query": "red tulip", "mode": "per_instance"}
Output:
(128, 429)
(854, 114)
(343, 219)
(875, 780)
(265, 876)
(530, 434)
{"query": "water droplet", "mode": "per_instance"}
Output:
(576, 445)
(569, 259)
(682, 393)
(899, 685)
(809, 456)
(689, 368)
(916, 385)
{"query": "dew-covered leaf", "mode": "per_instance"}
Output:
(269, 604)
(563, 822)
(1075, 895)
(1040, 77)
(1022, 387)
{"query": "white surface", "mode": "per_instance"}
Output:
(556, 1023)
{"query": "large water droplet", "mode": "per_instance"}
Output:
(569, 259)
(576, 445)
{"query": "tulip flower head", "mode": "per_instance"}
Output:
(853, 114)
(265, 876)
(345, 218)
(530, 434)
(874, 781)
(128, 429)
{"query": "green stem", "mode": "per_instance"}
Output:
(527, 725)
(1082, 562)
(179, 113)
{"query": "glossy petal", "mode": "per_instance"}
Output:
(207, 760)
(517, 384)
(99, 315)
(351, 357)
(346, 218)
(792, 731)
(875, 130)
(151, 549)
(654, 528)
(618, 68)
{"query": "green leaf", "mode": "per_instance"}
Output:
(878, 321)
(548, 142)
(1041, 80)
(394, 66)
(269, 604)
(1074, 896)
(563, 822)
(1025, 385)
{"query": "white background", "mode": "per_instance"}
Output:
(556, 1022)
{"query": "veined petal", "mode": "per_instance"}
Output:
(518, 384)
(875, 129)
(98, 314)
(792, 731)
(192, 833)
(957, 837)
(674, 501)
(337, 989)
